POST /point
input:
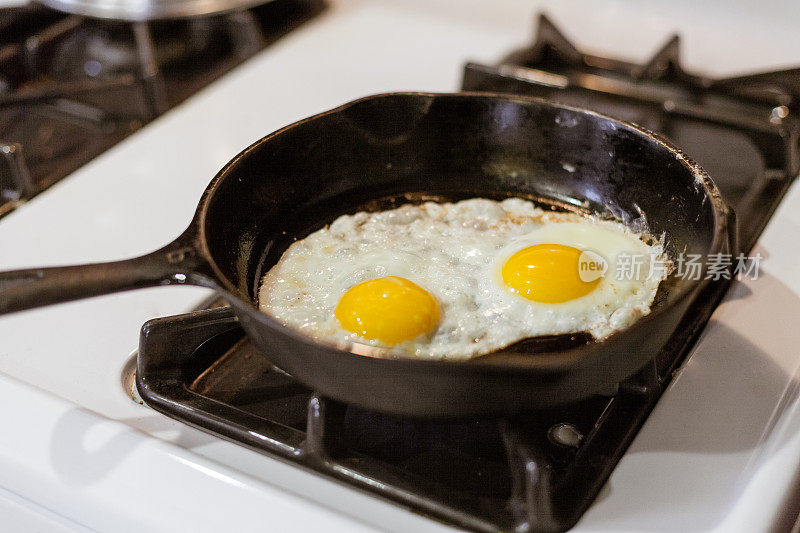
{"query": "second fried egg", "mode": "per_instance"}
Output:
(456, 280)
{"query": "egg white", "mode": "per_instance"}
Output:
(455, 251)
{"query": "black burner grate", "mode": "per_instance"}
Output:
(744, 131)
(539, 472)
(71, 87)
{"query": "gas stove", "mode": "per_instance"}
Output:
(703, 439)
(71, 86)
(539, 471)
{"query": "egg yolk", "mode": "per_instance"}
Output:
(391, 310)
(547, 273)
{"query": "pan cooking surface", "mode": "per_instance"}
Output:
(313, 217)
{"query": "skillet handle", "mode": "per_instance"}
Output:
(179, 262)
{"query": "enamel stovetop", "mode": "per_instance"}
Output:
(720, 452)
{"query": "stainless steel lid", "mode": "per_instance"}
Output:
(141, 10)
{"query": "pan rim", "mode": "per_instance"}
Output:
(551, 360)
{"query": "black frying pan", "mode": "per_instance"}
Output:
(385, 150)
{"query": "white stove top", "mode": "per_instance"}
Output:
(720, 452)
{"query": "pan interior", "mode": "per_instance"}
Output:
(384, 151)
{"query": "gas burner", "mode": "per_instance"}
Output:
(72, 87)
(752, 121)
(102, 49)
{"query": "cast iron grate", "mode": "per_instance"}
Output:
(743, 131)
(535, 472)
(71, 87)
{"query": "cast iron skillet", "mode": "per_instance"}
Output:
(388, 149)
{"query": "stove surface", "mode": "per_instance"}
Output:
(719, 452)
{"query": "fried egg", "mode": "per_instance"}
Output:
(457, 280)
